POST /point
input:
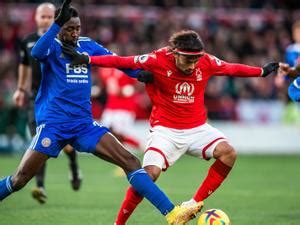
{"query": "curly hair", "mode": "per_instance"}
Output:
(186, 40)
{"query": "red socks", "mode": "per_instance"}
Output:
(130, 202)
(216, 175)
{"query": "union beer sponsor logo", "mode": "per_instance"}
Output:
(184, 93)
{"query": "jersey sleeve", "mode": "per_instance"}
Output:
(144, 62)
(100, 50)
(44, 45)
(23, 55)
(221, 68)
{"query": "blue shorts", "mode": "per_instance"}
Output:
(294, 92)
(51, 138)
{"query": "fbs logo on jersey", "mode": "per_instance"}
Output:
(77, 69)
(184, 93)
(77, 74)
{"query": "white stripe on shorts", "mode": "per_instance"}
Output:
(37, 136)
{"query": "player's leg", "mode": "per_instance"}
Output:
(97, 140)
(121, 125)
(29, 165)
(215, 146)
(47, 142)
(153, 162)
(74, 168)
(225, 156)
(110, 149)
(162, 151)
(132, 198)
(37, 192)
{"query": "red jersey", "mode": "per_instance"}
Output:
(178, 99)
(120, 89)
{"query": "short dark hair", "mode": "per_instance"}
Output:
(186, 40)
(73, 10)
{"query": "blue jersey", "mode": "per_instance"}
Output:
(65, 90)
(292, 57)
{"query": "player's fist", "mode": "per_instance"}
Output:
(269, 68)
(20, 98)
(65, 13)
(145, 76)
(76, 57)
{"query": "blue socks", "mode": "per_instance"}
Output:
(142, 183)
(5, 187)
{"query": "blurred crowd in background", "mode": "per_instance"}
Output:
(246, 31)
(292, 4)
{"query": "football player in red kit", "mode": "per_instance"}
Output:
(120, 108)
(178, 119)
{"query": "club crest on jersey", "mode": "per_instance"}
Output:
(169, 73)
(184, 93)
(46, 142)
(198, 74)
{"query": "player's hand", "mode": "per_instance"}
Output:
(64, 14)
(20, 98)
(76, 57)
(145, 76)
(284, 68)
(269, 68)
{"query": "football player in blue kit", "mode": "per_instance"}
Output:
(292, 68)
(63, 115)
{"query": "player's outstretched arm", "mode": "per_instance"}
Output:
(241, 70)
(107, 61)
(103, 61)
(42, 47)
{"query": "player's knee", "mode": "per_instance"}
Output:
(153, 172)
(19, 180)
(230, 153)
(68, 149)
(225, 153)
(132, 163)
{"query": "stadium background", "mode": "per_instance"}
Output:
(257, 116)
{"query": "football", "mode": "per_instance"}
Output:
(213, 217)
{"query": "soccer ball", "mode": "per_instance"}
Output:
(213, 217)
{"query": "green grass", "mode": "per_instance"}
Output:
(261, 190)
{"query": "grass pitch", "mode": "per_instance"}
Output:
(261, 190)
